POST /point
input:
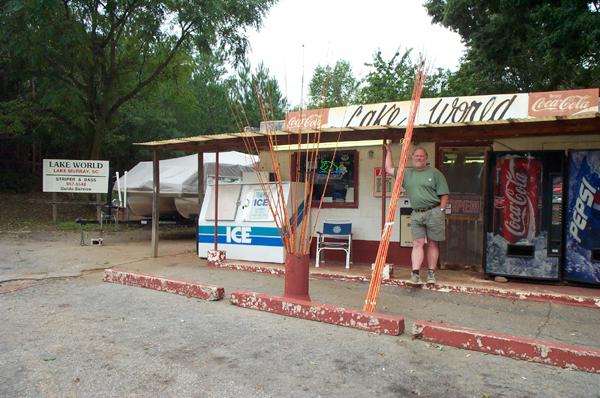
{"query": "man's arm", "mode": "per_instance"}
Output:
(443, 201)
(389, 163)
(442, 188)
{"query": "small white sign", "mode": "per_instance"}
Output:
(89, 176)
(259, 208)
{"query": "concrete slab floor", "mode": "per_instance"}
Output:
(67, 333)
(541, 320)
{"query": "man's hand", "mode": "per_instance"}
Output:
(389, 163)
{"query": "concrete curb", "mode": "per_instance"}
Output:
(248, 268)
(563, 299)
(533, 350)
(188, 289)
(370, 322)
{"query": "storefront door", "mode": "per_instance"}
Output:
(464, 168)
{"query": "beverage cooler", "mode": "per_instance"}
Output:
(582, 223)
(524, 203)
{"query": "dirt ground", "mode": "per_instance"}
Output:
(65, 333)
(46, 250)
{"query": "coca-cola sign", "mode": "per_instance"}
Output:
(516, 198)
(563, 103)
(519, 205)
(307, 119)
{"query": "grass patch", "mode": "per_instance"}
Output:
(73, 226)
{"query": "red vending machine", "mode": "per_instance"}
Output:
(524, 214)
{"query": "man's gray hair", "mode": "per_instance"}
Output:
(421, 148)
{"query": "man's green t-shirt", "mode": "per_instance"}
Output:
(424, 187)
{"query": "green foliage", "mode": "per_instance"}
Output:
(16, 182)
(523, 46)
(212, 110)
(389, 80)
(393, 79)
(74, 226)
(87, 59)
(438, 84)
(200, 99)
(330, 87)
(255, 96)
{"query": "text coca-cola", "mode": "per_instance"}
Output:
(307, 122)
(517, 199)
(307, 119)
(563, 103)
(570, 103)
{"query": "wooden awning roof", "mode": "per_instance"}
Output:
(588, 123)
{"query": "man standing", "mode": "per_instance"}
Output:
(428, 194)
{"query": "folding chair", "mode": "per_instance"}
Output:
(336, 235)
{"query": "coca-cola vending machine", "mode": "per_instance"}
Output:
(582, 224)
(524, 214)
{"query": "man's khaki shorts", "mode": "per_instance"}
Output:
(430, 224)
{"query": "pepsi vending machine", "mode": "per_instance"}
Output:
(582, 226)
(524, 214)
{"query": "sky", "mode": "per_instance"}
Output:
(298, 35)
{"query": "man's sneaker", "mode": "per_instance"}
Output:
(415, 279)
(430, 277)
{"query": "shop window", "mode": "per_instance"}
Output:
(341, 189)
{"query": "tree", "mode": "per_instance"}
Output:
(255, 96)
(89, 58)
(330, 87)
(212, 113)
(194, 101)
(388, 80)
(167, 109)
(393, 79)
(524, 46)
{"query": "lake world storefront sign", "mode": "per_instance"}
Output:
(450, 110)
